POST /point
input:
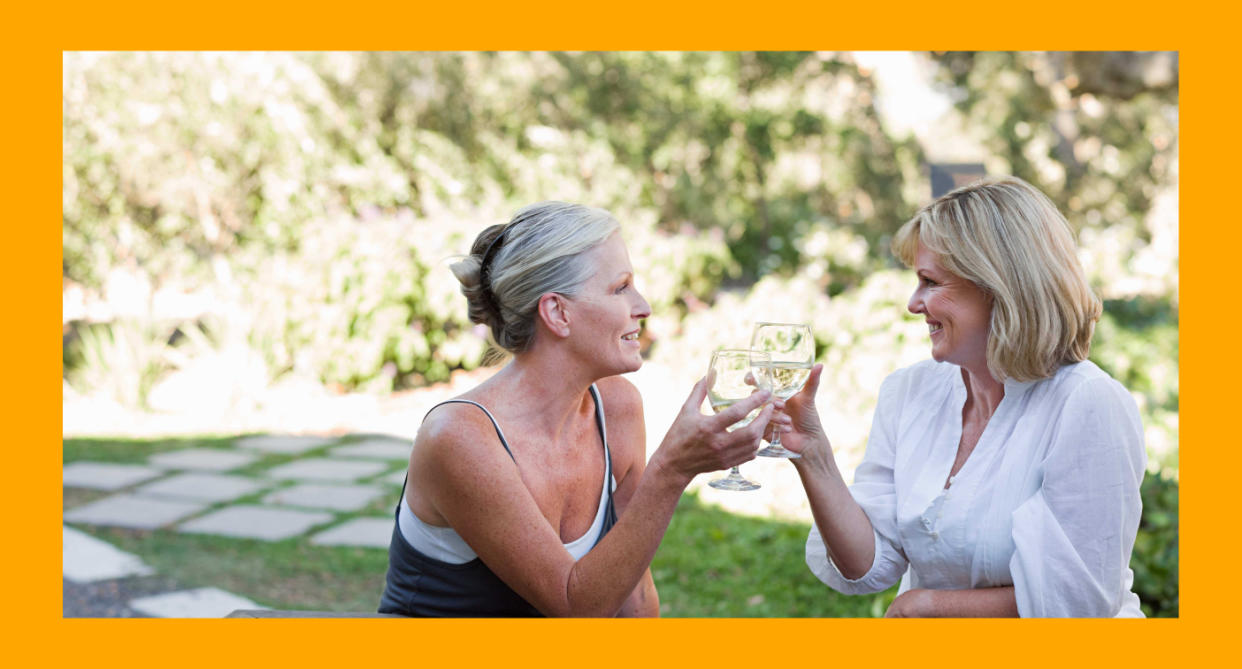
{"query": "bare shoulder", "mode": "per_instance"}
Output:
(620, 397)
(457, 432)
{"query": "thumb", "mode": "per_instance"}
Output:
(812, 381)
(699, 392)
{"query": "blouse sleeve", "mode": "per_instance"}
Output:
(875, 491)
(1073, 537)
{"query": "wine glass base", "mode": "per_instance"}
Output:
(777, 452)
(732, 483)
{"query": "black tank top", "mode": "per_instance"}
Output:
(418, 585)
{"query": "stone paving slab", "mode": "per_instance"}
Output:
(371, 532)
(383, 449)
(335, 497)
(198, 603)
(327, 469)
(133, 511)
(88, 559)
(251, 521)
(203, 487)
(106, 475)
(282, 443)
(202, 459)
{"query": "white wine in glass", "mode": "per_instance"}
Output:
(734, 382)
(791, 351)
(786, 378)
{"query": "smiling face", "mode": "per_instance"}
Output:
(957, 311)
(605, 314)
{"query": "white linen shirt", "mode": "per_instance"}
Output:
(1047, 502)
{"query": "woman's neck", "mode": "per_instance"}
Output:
(542, 391)
(983, 392)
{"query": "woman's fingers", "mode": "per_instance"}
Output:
(777, 422)
(741, 444)
(738, 411)
(756, 428)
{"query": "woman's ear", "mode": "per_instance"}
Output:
(554, 313)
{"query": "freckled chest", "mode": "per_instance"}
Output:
(565, 477)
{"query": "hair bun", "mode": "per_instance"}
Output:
(469, 273)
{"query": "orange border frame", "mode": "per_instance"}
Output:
(32, 54)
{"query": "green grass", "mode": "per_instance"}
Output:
(133, 450)
(711, 563)
(714, 564)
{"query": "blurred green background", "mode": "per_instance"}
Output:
(245, 229)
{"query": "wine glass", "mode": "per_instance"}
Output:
(791, 351)
(731, 385)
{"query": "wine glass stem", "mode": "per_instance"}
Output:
(735, 472)
(776, 435)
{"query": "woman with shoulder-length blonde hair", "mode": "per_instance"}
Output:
(1002, 476)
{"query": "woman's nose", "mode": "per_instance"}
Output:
(644, 309)
(915, 305)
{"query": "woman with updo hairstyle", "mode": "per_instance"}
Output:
(531, 494)
(1001, 476)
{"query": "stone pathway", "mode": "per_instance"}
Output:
(268, 487)
(101, 581)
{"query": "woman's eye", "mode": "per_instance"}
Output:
(622, 287)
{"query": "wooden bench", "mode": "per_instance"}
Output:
(269, 613)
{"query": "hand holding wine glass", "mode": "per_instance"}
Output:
(802, 431)
(732, 367)
(697, 443)
(791, 351)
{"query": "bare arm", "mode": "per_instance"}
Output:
(846, 530)
(475, 487)
(627, 440)
(644, 602)
(973, 603)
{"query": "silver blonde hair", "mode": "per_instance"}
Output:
(1008, 238)
(512, 265)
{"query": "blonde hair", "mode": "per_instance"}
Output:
(1008, 238)
(512, 265)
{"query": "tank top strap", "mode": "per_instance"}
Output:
(603, 435)
(610, 513)
(610, 509)
(599, 421)
(499, 432)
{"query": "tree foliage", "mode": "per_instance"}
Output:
(326, 191)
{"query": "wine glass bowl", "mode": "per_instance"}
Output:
(733, 383)
(791, 354)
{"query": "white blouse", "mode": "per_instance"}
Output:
(1047, 502)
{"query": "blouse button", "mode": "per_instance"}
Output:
(935, 536)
